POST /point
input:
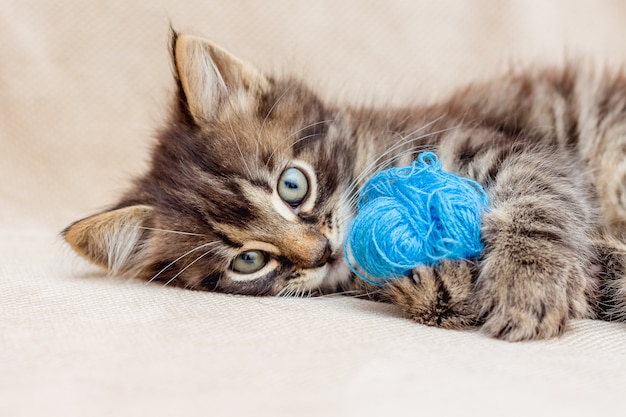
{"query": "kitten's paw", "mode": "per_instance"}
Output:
(441, 296)
(530, 304)
(518, 324)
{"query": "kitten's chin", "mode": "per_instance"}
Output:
(329, 277)
(337, 272)
(325, 279)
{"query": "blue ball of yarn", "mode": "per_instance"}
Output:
(412, 216)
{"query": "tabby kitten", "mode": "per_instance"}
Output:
(252, 185)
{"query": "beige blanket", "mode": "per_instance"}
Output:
(83, 86)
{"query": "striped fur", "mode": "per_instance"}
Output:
(548, 146)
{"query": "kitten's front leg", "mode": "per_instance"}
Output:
(529, 285)
(441, 296)
(535, 271)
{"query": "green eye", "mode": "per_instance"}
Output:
(249, 261)
(293, 186)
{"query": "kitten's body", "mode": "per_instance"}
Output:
(549, 148)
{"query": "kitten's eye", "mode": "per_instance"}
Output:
(249, 261)
(293, 186)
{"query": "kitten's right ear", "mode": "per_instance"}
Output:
(209, 75)
(112, 239)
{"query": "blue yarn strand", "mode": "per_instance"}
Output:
(412, 216)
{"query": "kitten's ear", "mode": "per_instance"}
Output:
(209, 75)
(111, 239)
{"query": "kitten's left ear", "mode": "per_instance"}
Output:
(209, 75)
(112, 239)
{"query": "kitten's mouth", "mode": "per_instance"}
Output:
(321, 279)
(337, 270)
(332, 258)
(336, 261)
(327, 257)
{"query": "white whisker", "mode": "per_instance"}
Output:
(352, 202)
(267, 116)
(187, 267)
(350, 293)
(243, 159)
(406, 140)
(197, 248)
(381, 163)
(286, 138)
(155, 229)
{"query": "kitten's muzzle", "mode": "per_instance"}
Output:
(322, 257)
(307, 250)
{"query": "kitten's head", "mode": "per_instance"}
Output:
(246, 192)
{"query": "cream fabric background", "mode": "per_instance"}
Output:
(83, 86)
